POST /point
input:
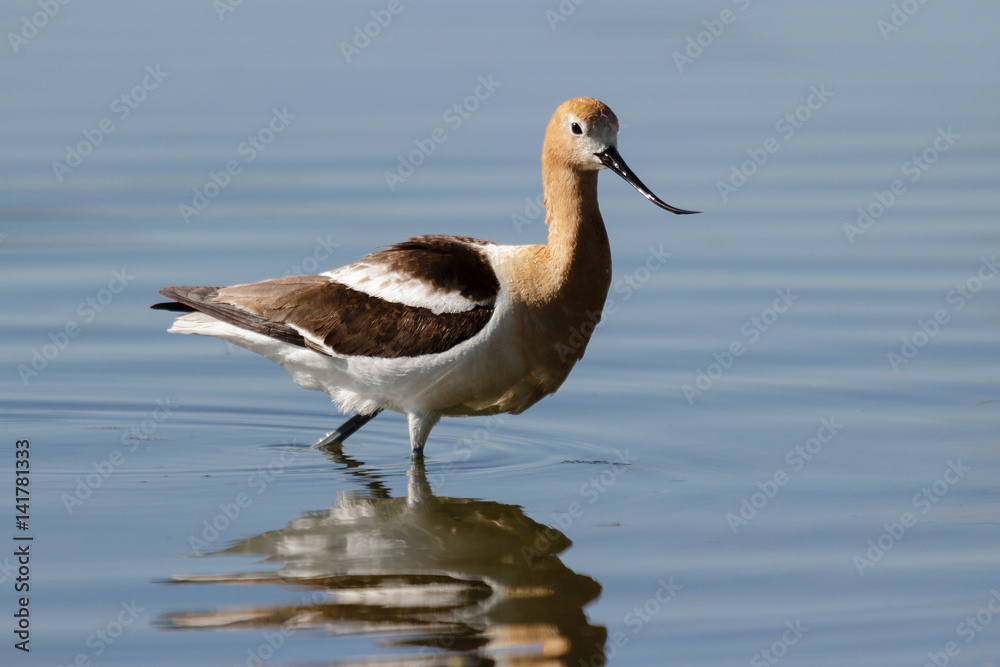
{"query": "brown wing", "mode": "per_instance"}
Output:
(322, 314)
(443, 263)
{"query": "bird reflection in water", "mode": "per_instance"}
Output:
(446, 580)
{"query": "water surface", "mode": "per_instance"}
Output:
(780, 446)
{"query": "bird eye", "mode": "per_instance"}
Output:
(576, 128)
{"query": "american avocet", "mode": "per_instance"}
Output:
(442, 325)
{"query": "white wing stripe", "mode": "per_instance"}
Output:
(399, 288)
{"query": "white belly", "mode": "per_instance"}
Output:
(503, 368)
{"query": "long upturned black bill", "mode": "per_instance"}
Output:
(613, 161)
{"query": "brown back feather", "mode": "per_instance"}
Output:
(348, 321)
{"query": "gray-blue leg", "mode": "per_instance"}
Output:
(420, 427)
(346, 429)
